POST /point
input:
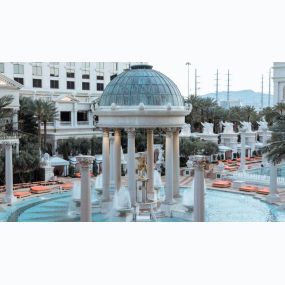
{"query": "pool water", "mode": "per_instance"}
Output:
(220, 207)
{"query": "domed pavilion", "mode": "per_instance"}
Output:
(141, 98)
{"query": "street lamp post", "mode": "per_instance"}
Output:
(188, 66)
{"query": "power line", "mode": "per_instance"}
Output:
(269, 88)
(228, 89)
(262, 91)
(196, 83)
(188, 65)
(217, 85)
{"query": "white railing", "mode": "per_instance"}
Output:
(258, 179)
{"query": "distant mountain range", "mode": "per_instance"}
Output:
(246, 97)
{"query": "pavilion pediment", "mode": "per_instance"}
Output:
(8, 83)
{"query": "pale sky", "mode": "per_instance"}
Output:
(243, 36)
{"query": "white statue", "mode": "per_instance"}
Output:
(208, 128)
(45, 161)
(262, 125)
(246, 126)
(229, 128)
(186, 130)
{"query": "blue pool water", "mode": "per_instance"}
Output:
(220, 207)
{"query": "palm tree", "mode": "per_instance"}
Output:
(269, 114)
(4, 102)
(45, 112)
(49, 114)
(279, 107)
(276, 148)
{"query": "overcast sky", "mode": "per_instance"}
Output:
(243, 36)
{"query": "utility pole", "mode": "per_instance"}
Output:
(188, 90)
(217, 86)
(228, 89)
(269, 88)
(196, 83)
(262, 91)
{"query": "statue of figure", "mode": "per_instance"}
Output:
(208, 128)
(229, 129)
(186, 130)
(246, 126)
(142, 166)
(45, 161)
(262, 125)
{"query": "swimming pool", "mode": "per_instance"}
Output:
(220, 207)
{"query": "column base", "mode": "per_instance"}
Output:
(272, 198)
(10, 200)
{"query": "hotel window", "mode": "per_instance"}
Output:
(37, 83)
(82, 116)
(54, 72)
(19, 80)
(70, 85)
(85, 86)
(85, 65)
(100, 77)
(100, 86)
(37, 70)
(54, 84)
(70, 64)
(18, 68)
(70, 73)
(85, 74)
(65, 116)
(100, 66)
(1, 67)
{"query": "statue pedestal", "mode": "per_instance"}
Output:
(48, 172)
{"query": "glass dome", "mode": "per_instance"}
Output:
(141, 84)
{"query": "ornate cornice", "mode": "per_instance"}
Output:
(199, 161)
(85, 160)
(131, 132)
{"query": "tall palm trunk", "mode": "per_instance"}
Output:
(39, 135)
(45, 135)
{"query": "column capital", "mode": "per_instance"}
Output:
(105, 132)
(85, 160)
(198, 161)
(131, 131)
(117, 131)
(169, 132)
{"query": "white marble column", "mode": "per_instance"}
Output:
(85, 202)
(117, 159)
(131, 165)
(9, 196)
(176, 163)
(169, 166)
(242, 156)
(150, 160)
(199, 163)
(74, 115)
(15, 120)
(112, 162)
(273, 194)
(106, 165)
(264, 142)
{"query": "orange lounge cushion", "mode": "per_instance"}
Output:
(221, 184)
(40, 189)
(264, 191)
(21, 194)
(67, 186)
(248, 188)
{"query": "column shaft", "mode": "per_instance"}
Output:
(199, 199)
(106, 166)
(150, 160)
(112, 163)
(169, 167)
(176, 163)
(273, 195)
(85, 205)
(117, 159)
(9, 198)
(242, 158)
(131, 165)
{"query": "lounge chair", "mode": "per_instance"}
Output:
(67, 186)
(221, 184)
(248, 188)
(40, 189)
(22, 194)
(263, 191)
